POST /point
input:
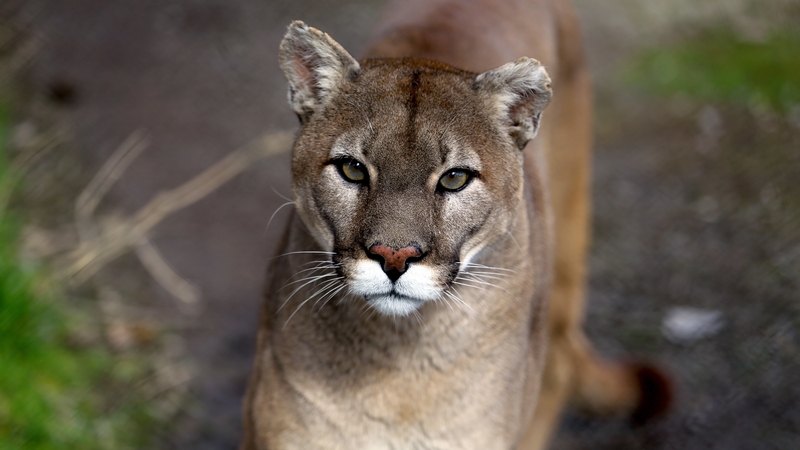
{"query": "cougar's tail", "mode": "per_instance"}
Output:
(575, 375)
(640, 390)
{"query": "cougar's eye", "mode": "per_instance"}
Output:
(353, 171)
(454, 180)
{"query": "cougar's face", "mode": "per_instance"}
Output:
(405, 176)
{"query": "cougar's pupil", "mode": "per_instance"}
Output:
(454, 180)
(353, 171)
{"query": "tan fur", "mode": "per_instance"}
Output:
(340, 368)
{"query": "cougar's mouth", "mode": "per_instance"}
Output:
(394, 304)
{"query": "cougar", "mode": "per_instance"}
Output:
(428, 289)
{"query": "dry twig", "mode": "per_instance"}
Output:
(115, 238)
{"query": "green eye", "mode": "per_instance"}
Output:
(454, 180)
(353, 170)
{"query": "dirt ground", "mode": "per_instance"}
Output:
(690, 207)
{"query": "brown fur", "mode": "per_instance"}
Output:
(330, 371)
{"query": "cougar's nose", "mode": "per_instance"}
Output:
(395, 260)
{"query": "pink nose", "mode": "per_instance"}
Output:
(395, 259)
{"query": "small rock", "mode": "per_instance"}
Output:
(684, 325)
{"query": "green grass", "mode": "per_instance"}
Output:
(720, 66)
(53, 395)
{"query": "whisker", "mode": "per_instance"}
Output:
(466, 284)
(306, 301)
(279, 194)
(481, 284)
(372, 312)
(514, 239)
(332, 296)
(322, 293)
(481, 266)
(273, 215)
(444, 299)
(311, 277)
(493, 276)
(493, 271)
(418, 316)
(319, 266)
(457, 298)
(304, 252)
(479, 280)
(332, 291)
(318, 261)
(322, 266)
(298, 289)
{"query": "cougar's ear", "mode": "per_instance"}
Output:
(517, 93)
(315, 65)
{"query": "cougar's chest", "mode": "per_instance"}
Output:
(467, 399)
(398, 413)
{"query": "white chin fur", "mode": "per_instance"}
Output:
(394, 305)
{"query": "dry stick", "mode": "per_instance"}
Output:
(25, 160)
(40, 147)
(111, 171)
(164, 274)
(20, 57)
(91, 256)
(148, 254)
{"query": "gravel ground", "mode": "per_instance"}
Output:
(695, 205)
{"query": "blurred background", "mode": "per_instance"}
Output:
(143, 153)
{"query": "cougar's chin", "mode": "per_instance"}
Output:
(394, 304)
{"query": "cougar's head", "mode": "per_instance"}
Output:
(406, 169)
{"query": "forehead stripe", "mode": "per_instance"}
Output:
(413, 106)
